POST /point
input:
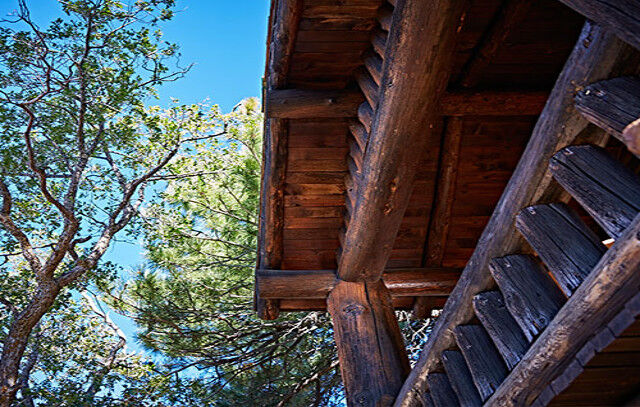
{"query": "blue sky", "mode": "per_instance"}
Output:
(225, 40)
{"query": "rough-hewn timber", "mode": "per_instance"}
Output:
(593, 57)
(603, 294)
(285, 18)
(429, 281)
(373, 358)
(409, 94)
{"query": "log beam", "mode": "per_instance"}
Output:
(372, 353)
(284, 21)
(403, 125)
(301, 104)
(309, 284)
(596, 54)
(622, 17)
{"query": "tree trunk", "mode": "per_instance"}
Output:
(16, 341)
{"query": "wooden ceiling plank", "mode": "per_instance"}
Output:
(508, 17)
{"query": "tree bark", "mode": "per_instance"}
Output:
(16, 341)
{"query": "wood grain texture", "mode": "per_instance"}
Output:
(460, 378)
(493, 103)
(284, 20)
(429, 281)
(442, 393)
(563, 241)
(372, 354)
(604, 293)
(301, 104)
(530, 294)
(620, 16)
(596, 53)
(501, 327)
(604, 187)
(611, 104)
(486, 366)
(407, 107)
(508, 17)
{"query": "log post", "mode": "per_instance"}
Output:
(373, 358)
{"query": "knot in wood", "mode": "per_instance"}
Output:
(531, 210)
(353, 309)
(363, 398)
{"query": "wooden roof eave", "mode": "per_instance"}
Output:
(284, 20)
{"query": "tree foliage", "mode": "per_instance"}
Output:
(194, 299)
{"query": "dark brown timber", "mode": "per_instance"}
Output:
(460, 378)
(594, 56)
(486, 366)
(429, 281)
(529, 292)
(493, 103)
(373, 359)
(620, 16)
(603, 186)
(442, 393)
(285, 18)
(509, 16)
(612, 104)
(415, 70)
(501, 327)
(603, 294)
(301, 104)
(563, 241)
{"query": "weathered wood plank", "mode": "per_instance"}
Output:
(424, 306)
(416, 69)
(368, 86)
(373, 63)
(612, 104)
(602, 185)
(596, 53)
(442, 394)
(620, 16)
(359, 134)
(460, 378)
(509, 16)
(372, 354)
(428, 281)
(365, 115)
(529, 292)
(301, 104)
(379, 42)
(562, 240)
(501, 327)
(484, 362)
(284, 20)
(493, 103)
(613, 282)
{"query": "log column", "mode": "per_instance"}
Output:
(373, 359)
